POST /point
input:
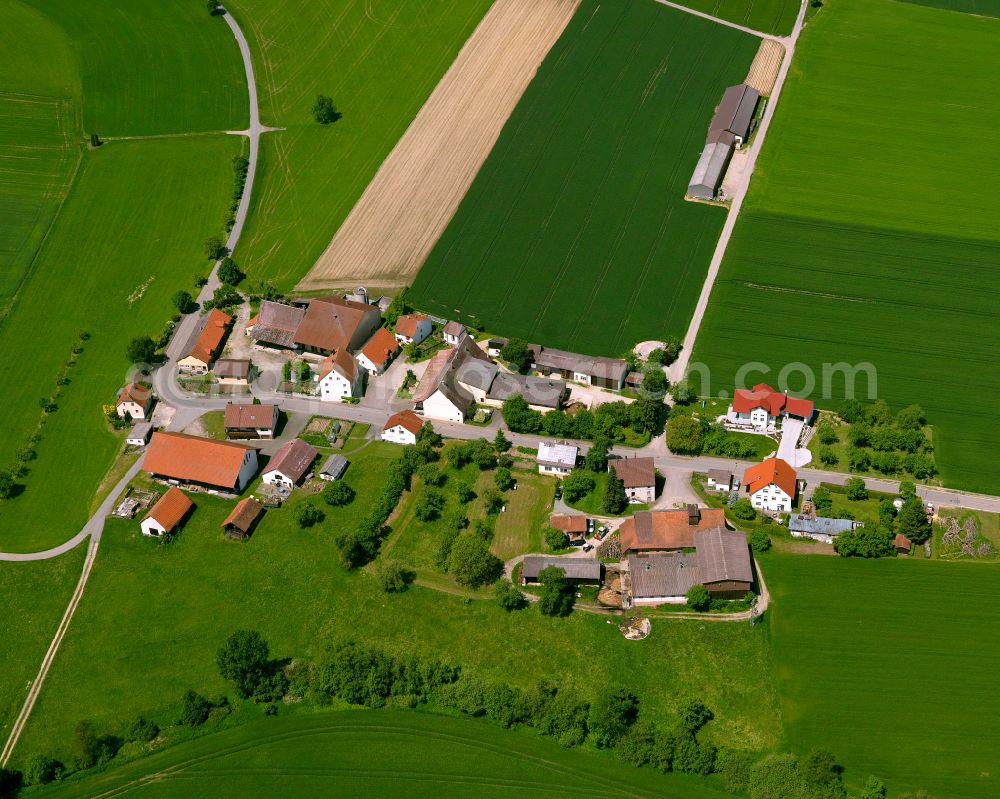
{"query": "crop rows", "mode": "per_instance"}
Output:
(575, 233)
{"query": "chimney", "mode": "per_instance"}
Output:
(694, 515)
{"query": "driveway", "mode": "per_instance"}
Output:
(791, 429)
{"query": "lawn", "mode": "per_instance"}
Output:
(109, 266)
(888, 664)
(310, 176)
(150, 67)
(150, 607)
(519, 529)
(880, 253)
(39, 139)
(33, 595)
(419, 755)
(769, 16)
(575, 233)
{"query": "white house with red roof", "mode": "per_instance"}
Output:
(164, 517)
(339, 377)
(402, 428)
(413, 328)
(761, 408)
(771, 485)
(378, 353)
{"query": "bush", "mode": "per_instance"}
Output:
(141, 349)
(684, 435)
(735, 766)
(826, 434)
(503, 479)
(243, 660)
(557, 595)
(194, 710)
(822, 501)
(855, 489)
(508, 596)
(215, 248)
(183, 302)
(470, 561)
(338, 494)
(393, 577)
(430, 505)
(744, 509)
(698, 597)
(555, 539)
(611, 715)
(229, 273)
(308, 515)
(41, 770)
(141, 730)
(759, 541)
(324, 111)
(827, 456)
(577, 484)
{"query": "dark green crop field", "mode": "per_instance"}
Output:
(379, 753)
(890, 664)
(985, 8)
(575, 233)
(862, 245)
(769, 16)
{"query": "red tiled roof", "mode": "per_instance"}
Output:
(902, 542)
(634, 472)
(342, 362)
(772, 470)
(454, 329)
(246, 416)
(774, 402)
(170, 508)
(330, 323)
(407, 325)
(568, 523)
(199, 460)
(380, 347)
(432, 374)
(134, 393)
(246, 512)
(666, 529)
(208, 341)
(293, 459)
(406, 419)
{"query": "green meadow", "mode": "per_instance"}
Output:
(865, 238)
(379, 753)
(769, 16)
(575, 232)
(984, 8)
(889, 664)
(33, 596)
(379, 61)
(153, 616)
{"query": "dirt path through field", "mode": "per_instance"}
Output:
(404, 210)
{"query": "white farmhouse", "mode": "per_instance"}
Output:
(339, 377)
(771, 485)
(412, 328)
(402, 428)
(558, 459)
(289, 464)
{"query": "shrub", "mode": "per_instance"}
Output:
(556, 598)
(243, 660)
(430, 505)
(577, 484)
(744, 509)
(759, 541)
(555, 539)
(308, 515)
(611, 715)
(855, 489)
(324, 111)
(822, 501)
(229, 273)
(215, 248)
(338, 493)
(827, 456)
(734, 765)
(508, 596)
(503, 479)
(194, 709)
(41, 770)
(698, 597)
(393, 577)
(470, 561)
(684, 435)
(826, 434)
(141, 730)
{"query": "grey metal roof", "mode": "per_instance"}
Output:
(232, 367)
(735, 112)
(663, 574)
(820, 525)
(723, 555)
(476, 373)
(140, 430)
(539, 391)
(575, 568)
(557, 454)
(721, 476)
(709, 170)
(334, 466)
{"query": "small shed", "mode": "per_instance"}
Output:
(721, 480)
(139, 435)
(334, 468)
(239, 524)
(902, 544)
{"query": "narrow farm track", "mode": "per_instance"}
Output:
(94, 527)
(678, 369)
(413, 196)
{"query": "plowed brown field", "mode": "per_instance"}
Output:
(764, 69)
(391, 229)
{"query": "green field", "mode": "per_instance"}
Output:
(870, 250)
(149, 608)
(150, 67)
(984, 8)
(379, 61)
(379, 753)
(33, 596)
(889, 664)
(769, 16)
(575, 233)
(120, 227)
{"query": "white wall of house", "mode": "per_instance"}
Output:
(771, 498)
(247, 470)
(192, 366)
(152, 527)
(548, 468)
(137, 441)
(372, 369)
(438, 406)
(129, 408)
(454, 341)
(334, 387)
(641, 494)
(421, 331)
(398, 434)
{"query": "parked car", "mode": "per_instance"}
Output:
(590, 525)
(587, 547)
(558, 492)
